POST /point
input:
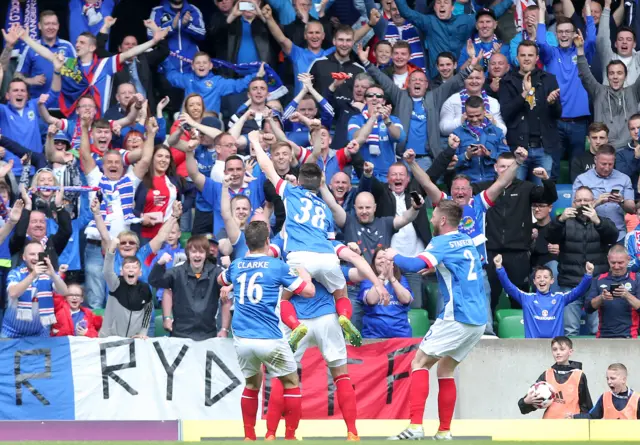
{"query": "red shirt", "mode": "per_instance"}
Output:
(157, 200)
(179, 157)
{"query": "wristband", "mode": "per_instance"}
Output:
(167, 317)
(225, 330)
(56, 72)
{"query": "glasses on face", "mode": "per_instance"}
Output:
(230, 145)
(75, 295)
(128, 243)
(372, 95)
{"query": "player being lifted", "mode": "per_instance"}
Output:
(460, 324)
(306, 232)
(257, 280)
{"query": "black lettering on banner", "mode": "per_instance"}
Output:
(331, 386)
(23, 379)
(235, 382)
(170, 369)
(391, 378)
(108, 370)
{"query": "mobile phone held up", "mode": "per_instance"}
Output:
(246, 6)
(415, 196)
(41, 257)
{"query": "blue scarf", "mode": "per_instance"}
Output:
(122, 189)
(29, 19)
(42, 292)
(76, 84)
(409, 34)
(478, 130)
(276, 87)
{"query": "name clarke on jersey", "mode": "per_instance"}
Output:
(252, 264)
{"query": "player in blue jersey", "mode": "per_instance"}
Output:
(257, 281)
(543, 310)
(460, 324)
(306, 232)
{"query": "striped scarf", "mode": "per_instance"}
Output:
(122, 190)
(464, 97)
(409, 34)
(487, 53)
(27, 18)
(477, 130)
(39, 292)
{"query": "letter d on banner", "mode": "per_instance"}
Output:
(40, 386)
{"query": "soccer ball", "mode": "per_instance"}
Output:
(544, 390)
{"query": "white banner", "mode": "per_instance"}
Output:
(155, 379)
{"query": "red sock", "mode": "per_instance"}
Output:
(288, 314)
(347, 401)
(249, 406)
(292, 411)
(343, 307)
(276, 406)
(418, 395)
(446, 402)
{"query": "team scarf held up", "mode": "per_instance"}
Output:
(76, 84)
(40, 292)
(464, 97)
(122, 189)
(487, 54)
(28, 19)
(409, 34)
(275, 85)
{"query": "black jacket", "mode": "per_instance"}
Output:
(56, 243)
(322, 68)
(581, 241)
(195, 300)
(509, 222)
(516, 112)
(580, 164)
(562, 374)
(266, 46)
(147, 64)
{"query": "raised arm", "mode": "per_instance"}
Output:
(100, 225)
(507, 176)
(263, 159)
(194, 173)
(364, 270)
(38, 48)
(158, 240)
(339, 215)
(14, 217)
(142, 166)
(588, 81)
(432, 190)
(230, 224)
(285, 43)
(408, 216)
(137, 50)
(603, 39)
(86, 160)
(110, 275)
(420, 21)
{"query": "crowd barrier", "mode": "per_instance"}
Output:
(167, 379)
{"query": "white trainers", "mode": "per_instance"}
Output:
(412, 432)
(443, 435)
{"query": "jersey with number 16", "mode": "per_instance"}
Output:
(460, 280)
(309, 222)
(257, 285)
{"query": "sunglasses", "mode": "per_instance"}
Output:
(372, 95)
(128, 243)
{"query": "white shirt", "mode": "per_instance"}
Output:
(406, 240)
(115, 219)
(400, 79)
(451, 115)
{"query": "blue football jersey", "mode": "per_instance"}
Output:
(309, 223)
(257, 284)
(473, 222)
(460, 281)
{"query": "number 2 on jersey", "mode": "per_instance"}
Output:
(253, 290)
(317, 220)
(472, 275)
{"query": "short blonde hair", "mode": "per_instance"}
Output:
(130, 234)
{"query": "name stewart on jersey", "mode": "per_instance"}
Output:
(461, 243)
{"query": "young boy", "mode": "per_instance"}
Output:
(543, 310)
(569, 381)
(71, 317)
(130, 303)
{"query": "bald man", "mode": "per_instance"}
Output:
(498, 67)
(342, 191)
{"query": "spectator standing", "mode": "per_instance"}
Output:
(345, 109)
(613, 103)
(530, 106)
(447, 66)
(529, 32)
(614, 295)
(249, 40)
(581, 236)
(544, 253)
(628, 157)
(38, 72)
(597, 136)
(625, 45)
(88, 16)
(621, 402)
(485, 40)
(561, 61)
(498, 68)
(612, 189)
(190, 311)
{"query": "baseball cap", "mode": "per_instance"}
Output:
(61, 136)
(211, 237)
(211, 121)
(486, 11)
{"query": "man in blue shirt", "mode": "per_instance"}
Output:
(562, 61)
(460, 324)
(377, 132)
(38, 71)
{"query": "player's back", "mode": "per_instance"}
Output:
(257, 286)
(460, 278)
(308, 223)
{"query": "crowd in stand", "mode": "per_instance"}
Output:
(128, 170)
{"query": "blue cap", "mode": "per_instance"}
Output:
(62, 136)
(211, 121)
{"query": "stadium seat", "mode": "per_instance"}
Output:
(501, 314)
(565, 177)
(419, 321)
(99, 312)
(511, 327)
(564, 196)
(557, 212)
(503, 301)
(183, 238)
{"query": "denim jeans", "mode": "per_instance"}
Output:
(188, 204)
(572, 137)
(94, 283)
(425, 163)
(357, 305)
(537, 158)
(573, 315)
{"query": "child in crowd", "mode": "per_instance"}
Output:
(71, 317)
(543, 310)
(567, 379)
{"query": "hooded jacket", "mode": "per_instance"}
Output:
(611, 107)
